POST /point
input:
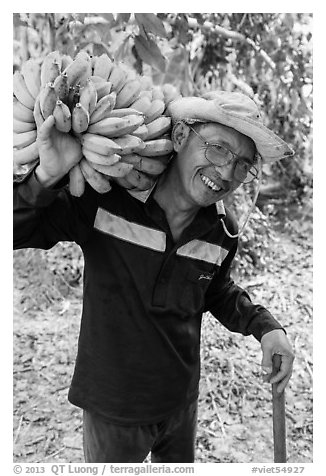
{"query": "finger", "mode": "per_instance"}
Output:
(279, 377)
(281, 386)
(266, 364)
(266, 378)
(45, 130)
(37, 113)
(285, 369)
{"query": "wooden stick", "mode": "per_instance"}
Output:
(279, 427)
(18, 429)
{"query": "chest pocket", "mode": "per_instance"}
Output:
(206, 258)
(195, 286)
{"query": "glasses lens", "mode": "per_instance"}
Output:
(218, 155)
(245, 172)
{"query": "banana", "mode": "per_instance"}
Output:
(102, 66)
(170, 93)
(101, 145)
(128, 93)
(79, 118)
(66, 60)
(102, 89)
(88, 96)
(23, 169)
(130, 73)
(76, 181)
(22, 126)
(146, 93)
(83, 79)
(96, 180)
(117, 78)
(123, 183)
(21, 112)
(100, 159)
(51, 67)
(147, 165)
(98, 79)
(157, 108)
(61, 86)
(103, 107)
(55, 56)
(146, 82)
(21, 92)
(142, 104)
(120, 169)
(23, 139)
(141, 132)
(158, 127)
(48, 99)
(62, 116)
(129, 144)
(139, 180)
(78, 71)
(176, 98)
(123, 112)
(38, 118)
(26, 155)
(31, 71)
(116, 126)
(83, 55)
(157, 147)
(157, 93)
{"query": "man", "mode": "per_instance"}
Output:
(154, 262)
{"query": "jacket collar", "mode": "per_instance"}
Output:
(143, 195)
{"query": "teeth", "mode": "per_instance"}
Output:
(210, 184)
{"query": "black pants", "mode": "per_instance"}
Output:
(169, 441)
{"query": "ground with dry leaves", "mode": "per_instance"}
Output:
(235, 410)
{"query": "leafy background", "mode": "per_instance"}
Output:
(267, 56)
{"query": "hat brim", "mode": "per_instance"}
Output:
(269, 145)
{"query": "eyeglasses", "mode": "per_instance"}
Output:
(244, 170)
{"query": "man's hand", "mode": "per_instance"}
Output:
(58, 151)
(276, 342)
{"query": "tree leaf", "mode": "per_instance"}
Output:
(107, 16)
(119, 44)
(100, 48)
(104, 32)
(80, 16)
(151, 23)
(123, 18)
(17, 20)
(150, 53)
(143, 32)
(122, 51)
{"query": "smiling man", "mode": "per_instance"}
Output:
(207, 168)
(155, 261)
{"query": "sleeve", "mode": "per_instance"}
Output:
(43, 216)
(232, 306)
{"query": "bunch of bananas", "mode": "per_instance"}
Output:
(120, 118)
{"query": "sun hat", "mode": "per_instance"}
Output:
(234, 110)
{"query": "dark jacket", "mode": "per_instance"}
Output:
(144, 295)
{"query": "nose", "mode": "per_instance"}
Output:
(226, 172)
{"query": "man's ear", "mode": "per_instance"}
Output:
(180, 135)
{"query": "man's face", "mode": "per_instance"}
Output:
(201, 182)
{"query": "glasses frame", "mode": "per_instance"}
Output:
(234, 157)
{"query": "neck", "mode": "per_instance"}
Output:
(178, 211)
